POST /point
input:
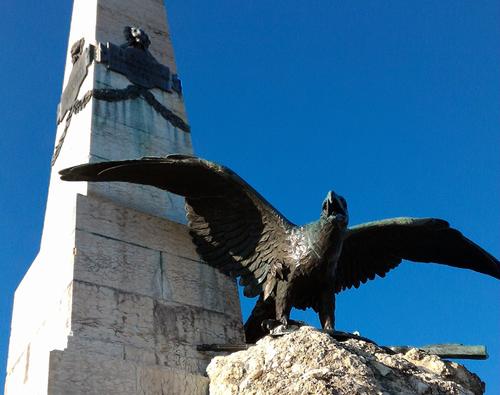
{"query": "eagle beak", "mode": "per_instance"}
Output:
(334, 208)
(329, 206)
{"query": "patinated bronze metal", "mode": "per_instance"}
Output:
(448, 351)
(237, 231)
(82, 58)
(131, 59)
(136, 37)
(134, 61)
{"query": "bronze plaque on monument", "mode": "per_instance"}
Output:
(138, 65)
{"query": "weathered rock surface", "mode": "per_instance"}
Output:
(311, 362)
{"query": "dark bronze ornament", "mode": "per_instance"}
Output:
(237, 231)
(113, 95)
(82, 58)
(133, 92)
(131, 59)
(134, 61)
(136, 37)
(77, 106)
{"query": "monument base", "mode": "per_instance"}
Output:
(77, 371)
(308, 361)
(122, 312)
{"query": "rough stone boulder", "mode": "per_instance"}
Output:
(310, 362)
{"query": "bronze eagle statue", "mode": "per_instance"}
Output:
(238, 232)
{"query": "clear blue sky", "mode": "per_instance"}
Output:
(393, 104)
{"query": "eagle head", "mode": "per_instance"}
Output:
(335, 209)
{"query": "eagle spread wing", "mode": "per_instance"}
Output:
(376, 247)
(234, 228)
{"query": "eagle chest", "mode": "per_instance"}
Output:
(300, 254)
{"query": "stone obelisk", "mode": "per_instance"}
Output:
(117, 299)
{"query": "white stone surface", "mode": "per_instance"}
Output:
(125, 129)
(124, 237)
(73, 372)
(137, 293)
(308, 361)
(132, 129)
(39, 325)
(98, 215)
(117, 299)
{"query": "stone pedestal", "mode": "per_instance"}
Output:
(308, 361)
(117, 299)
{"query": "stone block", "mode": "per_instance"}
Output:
(142, 329)
(198, 284)
(193, 325)
(130, 136)
(110, 236)
(170, 354)
(74, 372)
(117, 264)
(108, 315)
(99, 216)
(86, 373)
(143, 198)
(111, 315)
(161, 380)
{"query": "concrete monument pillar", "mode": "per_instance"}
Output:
(117, 299)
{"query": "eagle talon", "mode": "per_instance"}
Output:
(281, 330)
(343, 336)
(281, 327)
(270, 324)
